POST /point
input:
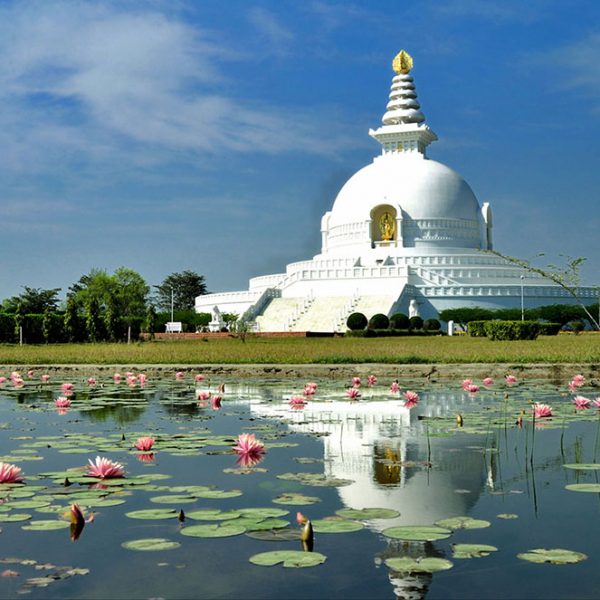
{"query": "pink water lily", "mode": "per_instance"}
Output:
(117, 377)
(573, 387)
(356, 381)
(30, 374)
(472, 388)
(510, 379)
(144, 443)
(488, 381)
(10, 473)
(249, 448)
(91, 381)
(67, 388)
(198, 377)
(466, 383)
(2, 379)
(311, 384)
(578, 380)
(297, 402)
(309, 390)
(412, 399)
(215, 402)
(394, 387)
(45, 378)
(203, 395)
(581, 403)
(371, 380)
(541, 410)
(353, 393)
(104, 468)
(142, 377)
(62, 402)
(180, 375)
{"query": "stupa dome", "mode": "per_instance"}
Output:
(420, 187)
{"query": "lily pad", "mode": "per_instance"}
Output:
(153, 514)
(44, 525)
(417, 533)
(14, 517)
(584, 487)
(472, 550)
(556, 556)
(316, 479)
(336, 526)
(209, 514)
(264, 513)
(463, 523)
(507, 516)
(214, 530)
(174, 499)
(583, 466)
(218, 494)
(290, 558)
(29, 503)
(276, 535)
(367, 513)
(406, 564)
(296, 499)
(150, 544)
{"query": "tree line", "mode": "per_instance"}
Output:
(102, 307)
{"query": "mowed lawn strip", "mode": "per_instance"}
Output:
(583, 348)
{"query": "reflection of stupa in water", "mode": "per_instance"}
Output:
(382, 447)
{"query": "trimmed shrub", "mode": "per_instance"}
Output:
(476, 328)
(431, 325)
(577, 326)
(512, 330)
(399, 321)
(415, 323)
(356, 322)
(379, 321)
(549, 328)
(7, 328)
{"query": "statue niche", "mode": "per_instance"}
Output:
(383, 226)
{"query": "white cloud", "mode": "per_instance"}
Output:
(276, 35)
(500, 11)
(125, 82)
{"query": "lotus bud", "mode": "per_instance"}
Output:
(181, 516)
(459, 421)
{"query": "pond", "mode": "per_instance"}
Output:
(460, 496)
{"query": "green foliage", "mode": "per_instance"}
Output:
(476, 328)
(462, 316)
(576, 326)
(229, 318)
(415, 323)
(93, 322)
(379, 321)
(72, 321)
(549, 328)
(7, 328)
(111, 319)
(512, 330)
(151, 320)
(561, 313)
(19, 316)
(356, 322)
(399, 321)
(185, 287)
(431, 325)
(190, 320)
(33, 301)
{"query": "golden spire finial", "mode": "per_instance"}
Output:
(402, 62)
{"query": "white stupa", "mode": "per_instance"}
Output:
(405, 234)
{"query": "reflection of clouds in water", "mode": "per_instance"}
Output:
(382, 447)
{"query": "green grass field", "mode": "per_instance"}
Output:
(557, 349)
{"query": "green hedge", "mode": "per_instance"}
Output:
(431, 325)
(476, 328)
(399, 321)
(512, 330)
(370, 333)
(379, 321)
(357, 321)
(549, 328)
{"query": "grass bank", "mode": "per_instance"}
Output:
(261, 350)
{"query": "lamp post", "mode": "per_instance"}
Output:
(522, 300)
(172, 303)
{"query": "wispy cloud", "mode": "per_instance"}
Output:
(277, 37)
(501, 11)
(101, 82)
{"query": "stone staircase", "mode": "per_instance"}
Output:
(280, 314)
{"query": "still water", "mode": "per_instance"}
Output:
(502, 468)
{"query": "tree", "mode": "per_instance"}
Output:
(567, 277)
(92, 320)
(151, 321)
(33, 301)
(72, 321)
(184, 286)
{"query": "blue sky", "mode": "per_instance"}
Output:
(211, 136)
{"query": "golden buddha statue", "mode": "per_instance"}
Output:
(387, 226)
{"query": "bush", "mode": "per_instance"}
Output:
(7, 328)
(431, 325)
(512, 330)
(399, 321)
(379, 321)
(356, 322)
(549, 328)
(415, 323)
(476, 328)
(577, 326)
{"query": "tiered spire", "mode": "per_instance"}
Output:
(404, 128)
